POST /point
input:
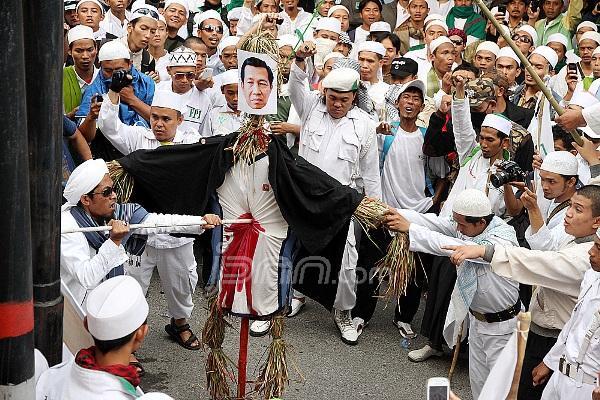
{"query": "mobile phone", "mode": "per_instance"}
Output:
(207, 73)
(438, 389)
(97, 98)
(535, 5)
(502, 9)
(572, 68)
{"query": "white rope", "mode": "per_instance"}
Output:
(153, 226)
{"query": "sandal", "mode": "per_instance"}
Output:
(175, 332)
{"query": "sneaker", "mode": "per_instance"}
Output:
(424, 353)
(359, 324)
(344, 323)
(259, 328)
(297, 305)
(405, 330)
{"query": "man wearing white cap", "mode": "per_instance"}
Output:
(210, 29)
(233, 16)
(141, 29)
(176, 14)
(77, 77)
(195, 103)
(434, 28)
(543, 60)
(566, 82)
(485, 56)
(116, 18)
(558, 42)
(525, 38)
(441, 59)
(509, 65)
(556, 21)
(326, 36)
(412, 31)
(136, 91)
(223, 120)
(370, 57)
(340, 139)
(493, 301)
(558, 276)
(342, 14)
(91, 13)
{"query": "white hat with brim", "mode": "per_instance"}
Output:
(83, 180)
(437, 42)
(413, 84)
(168, 99)
(97, 2)
(472, 203)
(374, 47)
(116, 308)
(488, 46)
(498, 122)
(546, 52)
(113, 50)
(329, 24)
(560, 162)
(342, 80)
(80, 32)
(229, 77)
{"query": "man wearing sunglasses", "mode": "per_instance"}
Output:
(210, 31)
(525, 38)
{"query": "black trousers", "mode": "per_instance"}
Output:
(408, 304)
(441, 284)
(535, 351)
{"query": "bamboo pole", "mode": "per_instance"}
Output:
(152, 226)
(523, 322)
(456, 351)
(525, 62)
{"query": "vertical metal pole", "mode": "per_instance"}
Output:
(16, 303)
(43, 77)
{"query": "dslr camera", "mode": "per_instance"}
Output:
(508, 171)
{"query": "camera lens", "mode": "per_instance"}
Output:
(499, 178)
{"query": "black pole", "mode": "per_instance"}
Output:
(43, 70)
(16, 303)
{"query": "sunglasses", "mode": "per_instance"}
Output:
(522, 38)
(457, 42)
(105, 193)
(188, 75)
(212, 28)
(147, 11)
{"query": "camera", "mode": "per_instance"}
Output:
(508, 171)
(278, 21)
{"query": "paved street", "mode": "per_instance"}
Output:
(375, 369)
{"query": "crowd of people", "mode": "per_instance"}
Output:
(421, 104)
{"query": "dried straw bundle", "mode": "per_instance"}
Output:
(398, 266)
(251, 141)
(219, 368)
(274, 376)
(369, 213)
(122, 181)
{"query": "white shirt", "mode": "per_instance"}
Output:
(221, 121)
(198, 105)
(360, 35)
(435, 7)
(403, 177)
(301, 22)
(550, 236)
(161, 67)
(420, 57)
(113, 25)
(377, 93)
(346, 148)
(402, 15)
(82, 83)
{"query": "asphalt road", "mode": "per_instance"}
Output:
(377, 368)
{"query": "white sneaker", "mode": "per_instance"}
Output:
(297, 305)
(359, 324)
(344, 323)
(405, 330)
(424, 353)
(259, 328)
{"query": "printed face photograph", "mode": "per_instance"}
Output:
(258, 83)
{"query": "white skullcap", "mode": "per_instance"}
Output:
(84, 179)
(587, 24)
(335, 8)
(596, 51)
(182, 3)
(583, 98)
(591, 35)
(234, 14)
(161, 18)
(437, 22)
(168, 99)
(330, 24)
(155, 396)
(546, 52)
(380, 26)
(228, 77)
(182, 57)
(530, 30)
(472, 203)
(488, 46)
(80, 32)
(287, 40)
(498, 122)
(97, 2)
(113, 50)
(559, 38)
(227, 42)
(209, 14)
(135, 14)
(430, 17)
(437, 42)
(331, 55)
(116, 308)
(560, 162)
(374, 47)
(342, 80)
(70, 5)
(508, 52)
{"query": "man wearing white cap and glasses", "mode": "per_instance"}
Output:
(210, 28)
(116, 18)
(77, 77)
(176, 14)
(141, 29)
(558, 276)
(370, 57)
(195, 103)
(485, 56)
(493, 301)
(525, 38)
(223, 120)
(340, 139)
(116, 320)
